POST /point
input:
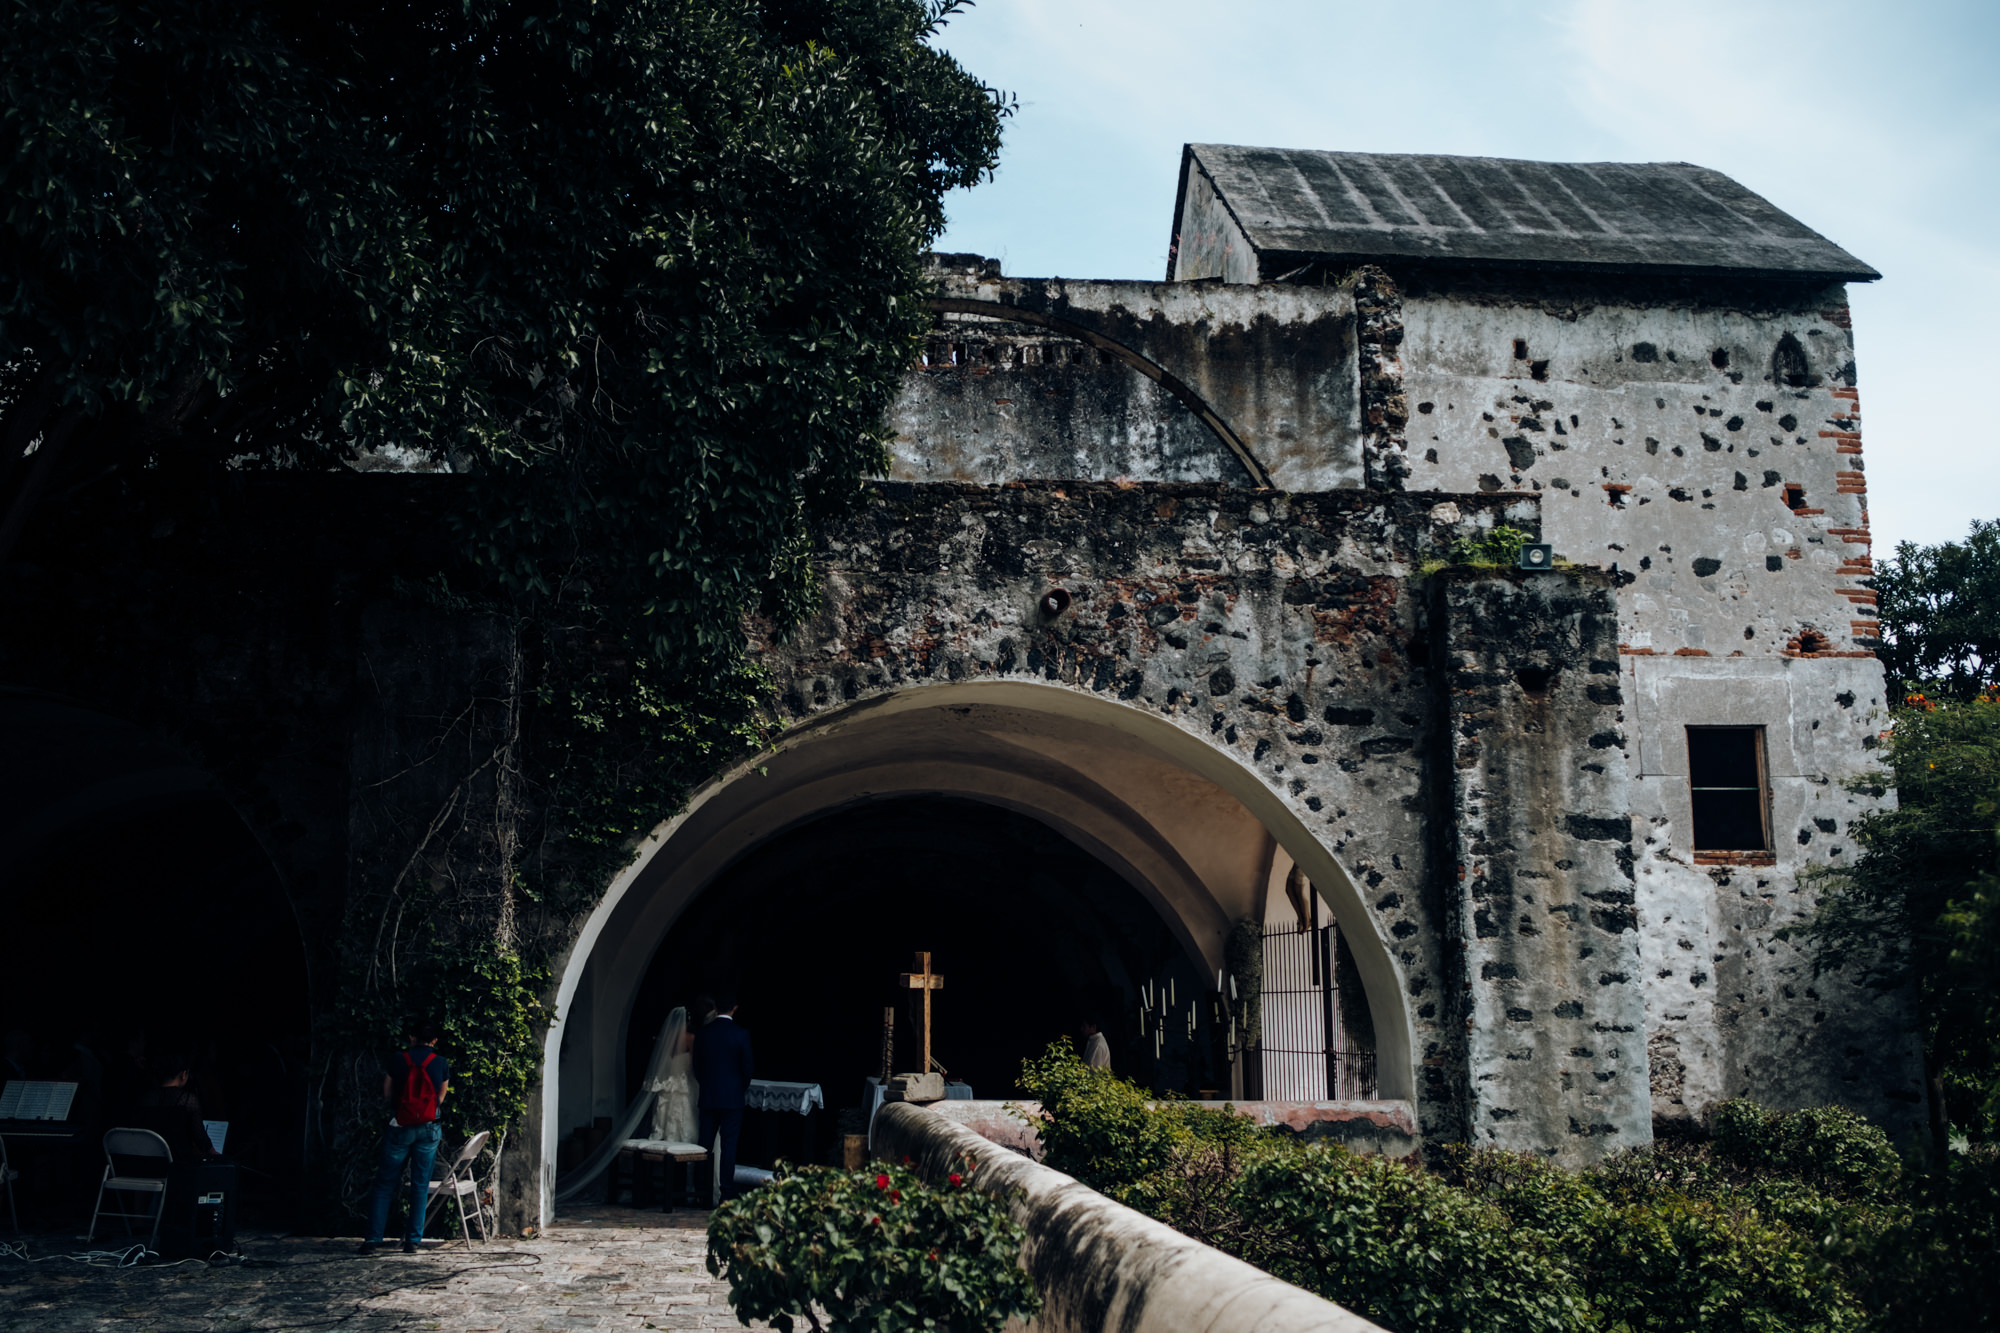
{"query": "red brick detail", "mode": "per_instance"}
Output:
(1736, 858)
(1854, 394)
(1841, 318)
(1859, 652)
(1852, 536)
(1690, 652)
(1808, 512)
(1862, 565)
(1629, 651)
(1866, 629)
(1795, 554)
(1847, 448)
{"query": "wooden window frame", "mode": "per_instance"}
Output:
(1764, 856)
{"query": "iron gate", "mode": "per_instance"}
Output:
(1300, 1057)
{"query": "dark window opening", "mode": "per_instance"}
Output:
(1520, 349)
(1726, 778)
(1795, 496)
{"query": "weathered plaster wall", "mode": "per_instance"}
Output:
(1210, 242)
(1704, 443)
(1276, 364)
(994, 400)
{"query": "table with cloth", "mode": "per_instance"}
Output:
(769, 1140)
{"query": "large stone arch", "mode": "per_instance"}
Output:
(1183, 820)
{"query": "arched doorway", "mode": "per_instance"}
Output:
(1190, 833)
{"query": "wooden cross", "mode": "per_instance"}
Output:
(920, 977)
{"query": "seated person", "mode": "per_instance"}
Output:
(171, 1110)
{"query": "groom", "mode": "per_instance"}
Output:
(722, 1069)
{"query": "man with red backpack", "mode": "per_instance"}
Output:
(414, 1082)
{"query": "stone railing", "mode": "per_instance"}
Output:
(1098, 1264)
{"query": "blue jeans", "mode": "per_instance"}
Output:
(417, 1144)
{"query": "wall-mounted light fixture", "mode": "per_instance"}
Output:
(1538, 556)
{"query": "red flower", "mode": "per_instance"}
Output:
(881, 1182)
(933, 1256)
(957, 1179)
(895, 1196)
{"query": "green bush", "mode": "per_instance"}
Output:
(1400, 1246)
(1934, 1266)
(871, 1250)
(1783, 1222)
(1100, 1128)
(1828, 1148)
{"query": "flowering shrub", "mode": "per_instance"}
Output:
(873, 1250)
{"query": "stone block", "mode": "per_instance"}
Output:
(916, 1088)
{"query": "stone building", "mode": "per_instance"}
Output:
(1172, 590)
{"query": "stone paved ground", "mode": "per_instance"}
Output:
(602, 1268)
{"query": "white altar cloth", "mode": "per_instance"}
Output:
(771, 1095)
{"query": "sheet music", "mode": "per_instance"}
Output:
(35, 1099)
(218, 1130)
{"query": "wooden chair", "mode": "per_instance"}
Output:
(459, 1181)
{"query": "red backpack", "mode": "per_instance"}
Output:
(417, 1099)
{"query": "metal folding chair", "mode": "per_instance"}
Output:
(458, 1181)
(8, 1175)
(141, 1144)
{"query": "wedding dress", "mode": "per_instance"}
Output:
(675, 1094)
(668, 1091)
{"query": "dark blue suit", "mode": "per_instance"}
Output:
(722, 1066)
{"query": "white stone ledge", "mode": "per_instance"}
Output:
(1098, 1264)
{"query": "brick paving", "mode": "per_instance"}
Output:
(600, 1268)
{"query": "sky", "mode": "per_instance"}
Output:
(1876, 124)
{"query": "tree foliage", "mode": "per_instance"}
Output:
(1917, 908)
(650, 270)
(1940, 610)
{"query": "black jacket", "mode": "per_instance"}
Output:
(722, 1064)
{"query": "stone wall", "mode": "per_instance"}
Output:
(1542, 881)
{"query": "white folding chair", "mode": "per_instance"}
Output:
(458, 1181)
(8, 1175)
(133, 1143)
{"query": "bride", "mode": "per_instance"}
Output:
(669, 1090)
(671, 1080)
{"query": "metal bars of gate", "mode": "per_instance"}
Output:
(1300, 1056)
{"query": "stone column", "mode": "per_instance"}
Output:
(1538, 871)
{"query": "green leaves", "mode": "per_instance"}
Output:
(1778, 1226)
(1940, 611)
(874, 1249)
(1915, 907)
